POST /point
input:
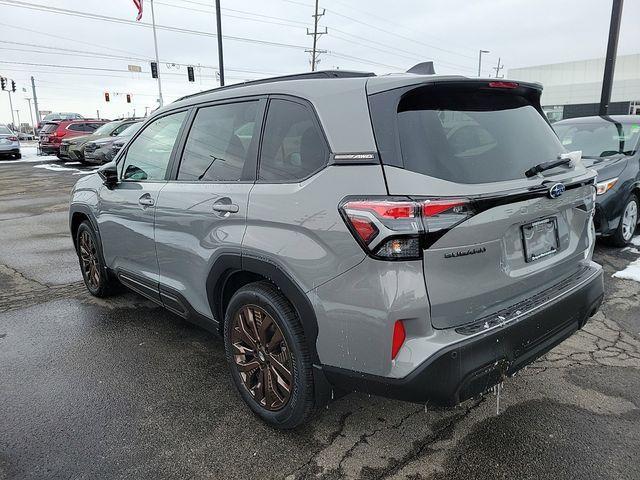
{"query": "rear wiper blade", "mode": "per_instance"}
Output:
(541, 167)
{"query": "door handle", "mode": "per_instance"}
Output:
(226, 207)
(146, 200)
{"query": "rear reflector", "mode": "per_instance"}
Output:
(399, 337)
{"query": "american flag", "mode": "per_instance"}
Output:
(138, 4)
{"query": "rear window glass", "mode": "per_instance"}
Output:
(601, 139)
(473, 136)
(4, 131)
(49, 127)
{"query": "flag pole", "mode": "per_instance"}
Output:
(155, 44)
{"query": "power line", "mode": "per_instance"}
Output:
(352, 19)
(76, 13)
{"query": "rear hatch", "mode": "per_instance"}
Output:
(494, 236)
(47, 130)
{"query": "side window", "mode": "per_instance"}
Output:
(292, 146)
(91, 127)
(148, 155)
(77, 127)
(218, 142)
(120, 129)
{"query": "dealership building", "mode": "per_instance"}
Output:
(572, 89)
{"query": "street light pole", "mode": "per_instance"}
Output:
(33, 125)
(610, 61)
(480, 60)
(155, 44)
(219, 34)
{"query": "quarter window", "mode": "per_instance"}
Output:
(218, 143)
(292, 147)
(148, 155)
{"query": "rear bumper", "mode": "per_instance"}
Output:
(50, 148)
(471, 366)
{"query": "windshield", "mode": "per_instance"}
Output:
(473, 137)
(130, 130)
(106, 129)
(599, 139)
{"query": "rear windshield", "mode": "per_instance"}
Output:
(473, 136)
(600, 139)
(49, 127)
(5, 131)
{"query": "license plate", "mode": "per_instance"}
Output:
(44, 139)
(540, 239)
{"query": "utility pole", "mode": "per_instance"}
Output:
(13, 121)
(33, 125)
(315, 52)
(610, 60)
(219, 34)
(498, 68)
(18, 114)
(35, 100)
(480, 60)
(155, 44)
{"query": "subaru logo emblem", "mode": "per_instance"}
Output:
(556, 190)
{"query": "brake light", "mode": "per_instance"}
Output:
(13, 139)
(399, 336)
(397, 228)
(503, 84)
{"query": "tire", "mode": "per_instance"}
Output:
(624, 233)
(266, 361)
(18, 156)
(94, 273)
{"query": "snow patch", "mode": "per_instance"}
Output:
(631, 272)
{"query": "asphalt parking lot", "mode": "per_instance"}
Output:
(123, 389)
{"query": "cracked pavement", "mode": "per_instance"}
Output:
(120, 388)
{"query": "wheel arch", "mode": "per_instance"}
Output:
(77, 215)
(231, 271)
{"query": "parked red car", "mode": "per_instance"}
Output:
(52, 133)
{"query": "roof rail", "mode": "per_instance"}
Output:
(284, 78)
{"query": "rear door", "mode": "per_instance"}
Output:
(201, 212)
(494, 236)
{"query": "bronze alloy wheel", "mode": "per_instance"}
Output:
(262, 357)
(89, 260)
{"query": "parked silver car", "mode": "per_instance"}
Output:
(9, 143)
(416, 236)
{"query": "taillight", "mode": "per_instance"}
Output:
(13, 139)
(399, 336)
(398, 228)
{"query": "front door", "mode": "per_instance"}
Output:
(201, 212)
(127, 211)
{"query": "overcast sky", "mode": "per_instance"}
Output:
(371, 35)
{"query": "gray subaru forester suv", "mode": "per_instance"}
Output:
(420, 237)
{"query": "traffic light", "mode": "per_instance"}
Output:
(3, 82)
(190, 74)
(106, 96)
(128, 98)
(13, 86)
(154, 70)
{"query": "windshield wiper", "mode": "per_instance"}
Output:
(541, 167)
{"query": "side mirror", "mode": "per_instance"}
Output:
(109, 174)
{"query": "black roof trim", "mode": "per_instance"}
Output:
(284, 78)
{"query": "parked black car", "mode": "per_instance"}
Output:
(610, 145)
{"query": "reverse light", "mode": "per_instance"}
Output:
(398, 228)
(604, 187)
(399, 336)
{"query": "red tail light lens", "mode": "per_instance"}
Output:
(397, 228)
(399, 336)
(13, 139)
